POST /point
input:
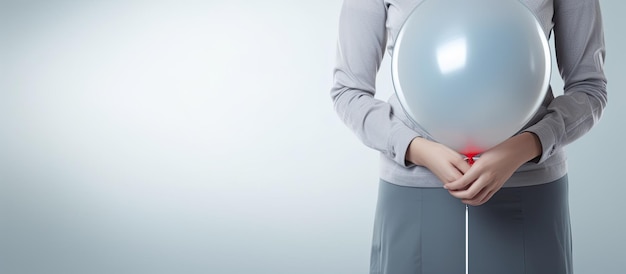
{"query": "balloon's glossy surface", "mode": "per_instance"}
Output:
(471, 73)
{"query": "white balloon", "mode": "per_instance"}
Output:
(471, 73)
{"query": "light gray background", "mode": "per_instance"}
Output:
(199, 137)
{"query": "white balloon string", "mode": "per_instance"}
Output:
(466, 240)
(470, 160)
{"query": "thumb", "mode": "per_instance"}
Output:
(462, 165)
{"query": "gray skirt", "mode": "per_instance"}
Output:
(520, 230)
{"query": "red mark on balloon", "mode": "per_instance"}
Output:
(470, 157)
(470, 151)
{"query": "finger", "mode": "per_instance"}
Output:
(463, 182)
(451, 174)
(471, 192)
(479, 199)
(461, 165)
(488, 197)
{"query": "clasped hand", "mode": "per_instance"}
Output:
(475, 185)
(484, 178)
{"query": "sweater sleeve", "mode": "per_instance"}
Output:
(580, 51)
(361, 46)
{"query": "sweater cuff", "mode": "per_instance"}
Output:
(399, 142)
(547, 138)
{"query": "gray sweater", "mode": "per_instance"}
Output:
(368, 28)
